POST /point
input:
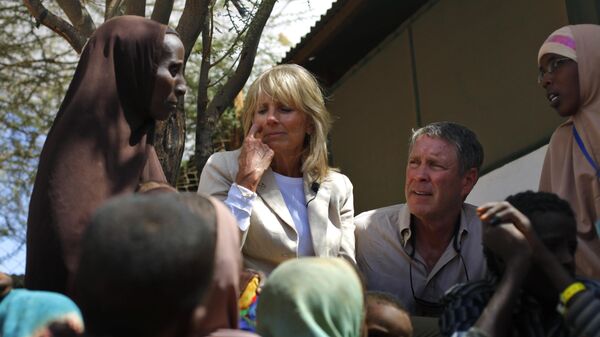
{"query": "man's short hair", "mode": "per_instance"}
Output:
(146, 263)
(468, 148)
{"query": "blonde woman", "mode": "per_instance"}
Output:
(287, 200)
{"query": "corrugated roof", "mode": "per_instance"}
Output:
(314, 29)
(346, 33)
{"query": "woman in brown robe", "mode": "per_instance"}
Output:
(99, 146)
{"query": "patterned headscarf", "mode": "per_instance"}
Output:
(561, 42)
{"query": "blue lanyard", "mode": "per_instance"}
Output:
(585, 152)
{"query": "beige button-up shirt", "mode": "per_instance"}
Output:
(384, 253)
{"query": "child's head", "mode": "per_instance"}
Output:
(386, 316)
(554, 223)
(146, 262)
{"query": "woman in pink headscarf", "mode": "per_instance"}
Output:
(569, 63)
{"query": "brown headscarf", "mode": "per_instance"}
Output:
(221, 315)
(98, 146)
(566, 171)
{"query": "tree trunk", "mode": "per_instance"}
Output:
(191, 23)
(162, 11)
(205, 126)
(78, 15)
(136, 7)
(56, 24)
(169, 142)
(207, 119)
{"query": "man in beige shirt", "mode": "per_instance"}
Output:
(416, 251)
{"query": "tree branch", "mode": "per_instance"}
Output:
(231, 48)
(205, 65)
(162, 11)
(236, 82)
(78, 15)
(232, 87)
(191, 23)
(226, 73)
(111, 8)
(136, 7)
(204, 125)
(56, 24)
(240, 8)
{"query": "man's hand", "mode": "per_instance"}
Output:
(254, 159)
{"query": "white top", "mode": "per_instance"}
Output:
(292, 190)
(240, 201)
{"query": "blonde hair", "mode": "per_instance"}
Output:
(293, 86)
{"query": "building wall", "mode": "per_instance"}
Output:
(468, 61)
(517, 176)
(375, 110)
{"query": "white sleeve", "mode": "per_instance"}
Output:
(240, 201)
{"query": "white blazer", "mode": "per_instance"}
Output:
(272, 237)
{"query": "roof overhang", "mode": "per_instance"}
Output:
(348, 32)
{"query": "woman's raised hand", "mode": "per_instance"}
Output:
(254, 159)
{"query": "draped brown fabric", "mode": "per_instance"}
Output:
(99, 146)
(222, 301)
(566, 171)
(221, 314)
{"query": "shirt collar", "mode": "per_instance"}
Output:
(405, 232)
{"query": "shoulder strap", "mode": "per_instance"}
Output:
(585, 152)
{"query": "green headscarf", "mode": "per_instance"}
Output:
(321, 297)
